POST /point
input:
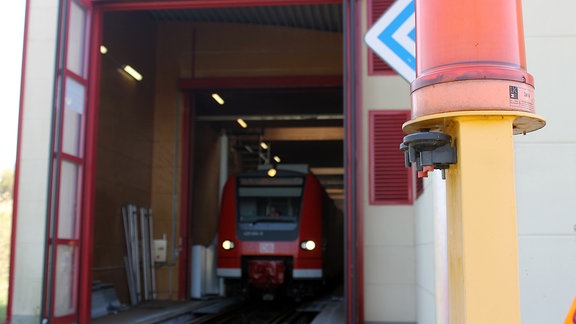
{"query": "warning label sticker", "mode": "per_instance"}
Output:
(521, 98)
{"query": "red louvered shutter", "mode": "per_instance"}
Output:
(390, 179)
(376, 66)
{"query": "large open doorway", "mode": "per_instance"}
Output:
(160, 139)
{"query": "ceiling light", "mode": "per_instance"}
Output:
(264, 145)
(103, 49)
(272, 172)
(133, 73)
(277, 158)
(242, 122)
(218, 98)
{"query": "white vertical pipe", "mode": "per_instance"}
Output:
(130, 281)
(128, 257)
(196, 271)
(145, 250)
(136, 254)
(223, 177)
(223, 162)
(152, 269)
(211, 281)
(440, 248)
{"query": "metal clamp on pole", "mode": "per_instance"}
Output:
(429, 150)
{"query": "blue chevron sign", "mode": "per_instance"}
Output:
(393, 38)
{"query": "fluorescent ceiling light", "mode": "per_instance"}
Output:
(218, 98)
(133, 73)
(103, 49)
(242, 122)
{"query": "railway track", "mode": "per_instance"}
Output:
(258, 313)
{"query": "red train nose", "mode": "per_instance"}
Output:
(266, 273)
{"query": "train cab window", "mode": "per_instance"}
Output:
(265, 208)
(276, 208)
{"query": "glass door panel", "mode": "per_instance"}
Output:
(76, 52)
(74, 102)
(66, 280)
(68, 204)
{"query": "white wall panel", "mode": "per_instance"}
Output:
(425, 269)
(33, 160)
(547, 277)
(545, 189)
(392, 225)
(431, 258)
(550, 17)
(424, 219)
(549, 61)
(387, 303)
(36, 134)
(426, 311)
(389, 265)
(545, 186)
(386, 92)
(29, 286)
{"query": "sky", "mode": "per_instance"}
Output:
(11, 36)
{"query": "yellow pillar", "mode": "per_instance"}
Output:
(481, 210)
(476, 90)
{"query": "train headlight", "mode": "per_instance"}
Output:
(227, 245)
(272, 172)
(308, 245)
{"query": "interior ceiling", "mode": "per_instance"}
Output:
(324, 17)
(302, 125)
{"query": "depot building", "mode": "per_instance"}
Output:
(150, 105)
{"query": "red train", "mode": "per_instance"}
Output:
(278, 236)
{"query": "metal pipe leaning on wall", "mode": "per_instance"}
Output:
(139, 261)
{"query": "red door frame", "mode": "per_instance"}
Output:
(353, 221)
(58, 157)
(354, 284)
(85, 315)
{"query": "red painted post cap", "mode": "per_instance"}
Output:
(469, 40)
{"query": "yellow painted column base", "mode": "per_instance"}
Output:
(482, 229)
(481, 211)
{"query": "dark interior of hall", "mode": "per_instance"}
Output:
(145, 157)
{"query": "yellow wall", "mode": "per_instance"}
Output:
(224, 50)
(125, 120)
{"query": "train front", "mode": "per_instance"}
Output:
(270, 234)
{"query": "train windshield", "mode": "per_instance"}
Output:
(269, 204)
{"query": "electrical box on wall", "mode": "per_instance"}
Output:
(160, 247)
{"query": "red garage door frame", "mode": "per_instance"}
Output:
(353, 215)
